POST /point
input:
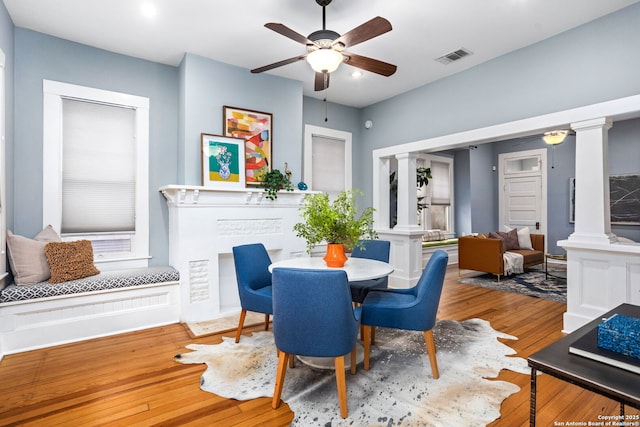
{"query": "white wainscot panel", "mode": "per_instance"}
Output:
(600, 277)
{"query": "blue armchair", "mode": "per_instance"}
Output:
(411, 309)
(254, 282)
(313, 316)
(373, 249)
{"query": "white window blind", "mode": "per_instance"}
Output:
(441, 191)
(328, 165)
(98, 168)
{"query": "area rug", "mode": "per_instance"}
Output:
(399, 389)
(223, 324)
(532, 282)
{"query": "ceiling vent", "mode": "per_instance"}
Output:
(454, 56)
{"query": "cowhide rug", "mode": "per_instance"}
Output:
(399, 389)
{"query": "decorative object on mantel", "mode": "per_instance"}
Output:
(255, 128)
(273, 182)
(287, 171)
(334, 222)
(302, 186)
(222, 161)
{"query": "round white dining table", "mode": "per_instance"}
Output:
(356, 268)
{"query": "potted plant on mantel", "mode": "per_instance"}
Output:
(334, 222)
(274, 181)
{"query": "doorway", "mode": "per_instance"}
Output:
(522, 183)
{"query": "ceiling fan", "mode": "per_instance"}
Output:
(325, 48)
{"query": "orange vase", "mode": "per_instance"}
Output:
(335, 256)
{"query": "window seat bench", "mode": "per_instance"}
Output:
(450, 246)
(112, 302)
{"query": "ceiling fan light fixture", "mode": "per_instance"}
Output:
(555, 137)
(325, 60)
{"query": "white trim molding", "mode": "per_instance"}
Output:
(53, 94)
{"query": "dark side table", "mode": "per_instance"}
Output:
(615, 383)
(560, 259)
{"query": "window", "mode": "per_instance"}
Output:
(95, 170)
(438, 200)
(327, 160)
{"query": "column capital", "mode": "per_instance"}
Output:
(406, 156)
(599, 123)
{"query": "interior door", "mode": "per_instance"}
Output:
(523, 203)
(523, 194)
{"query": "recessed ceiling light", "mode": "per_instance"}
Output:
(357, 74)
(148, 10)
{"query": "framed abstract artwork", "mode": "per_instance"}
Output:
(624, 199)
(222, 161)
(255, 127)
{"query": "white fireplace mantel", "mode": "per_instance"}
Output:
(206, 223)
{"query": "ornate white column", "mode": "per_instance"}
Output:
(381, 191)
(406, 236)
(601, 273)
(592, 210)
(407, 194)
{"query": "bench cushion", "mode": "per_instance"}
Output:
(444, 242)
(104, 280)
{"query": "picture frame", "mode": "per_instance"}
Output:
(255, 128)
(223, 163)
(624, 205)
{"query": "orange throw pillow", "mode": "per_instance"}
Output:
(70, 260)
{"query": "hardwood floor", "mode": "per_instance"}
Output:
(131, 379)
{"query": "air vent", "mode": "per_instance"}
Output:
(454, 56)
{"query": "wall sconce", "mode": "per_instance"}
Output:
(555, 137)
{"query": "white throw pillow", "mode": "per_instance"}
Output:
(524, 237)
(26, 256)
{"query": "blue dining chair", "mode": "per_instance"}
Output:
(254, 282)
(412, 309)
(372, 249)
(313, 316)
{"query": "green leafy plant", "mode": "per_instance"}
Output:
(334, 221)
(423, 175)
(273, 182)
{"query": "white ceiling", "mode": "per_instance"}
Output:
(233, 32)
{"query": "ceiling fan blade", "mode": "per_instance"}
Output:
(368, 30)
(322, 81)
(288, 32)
(369, 64)
(278, 64)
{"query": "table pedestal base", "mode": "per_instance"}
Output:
(328, 362)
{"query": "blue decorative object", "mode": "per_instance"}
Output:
(302, 186)
(621, 334)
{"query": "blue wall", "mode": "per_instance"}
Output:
(591, 64)
(207, 85)
(343, 118)
(624, 158)
(582, 66)
(38, 57)
(6, 44)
